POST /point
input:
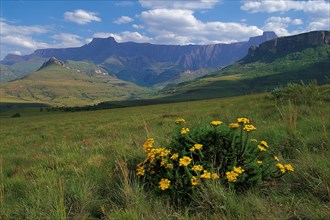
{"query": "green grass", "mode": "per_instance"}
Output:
(81, 165)
(56, 85)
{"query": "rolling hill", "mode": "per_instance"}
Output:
(58, 84)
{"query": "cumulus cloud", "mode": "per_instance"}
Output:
(20, 36)
(8, 29)
(123, 20)
(315, 7)
(137, 26)
(67, 40)
(102, 35)
(125, 36)
(319, 24)
(297, 22)
(186, 4)
(182, 27)
(81, 16)
(278, 24)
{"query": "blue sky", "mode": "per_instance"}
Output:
(28, 25)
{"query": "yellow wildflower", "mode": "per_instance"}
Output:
(276, 158)
(238, 170)
(163, 162)
(234, 125)
(175, 156)
(164, 152)
(184, 130)
(164, 184)
(264, 143)
(197, 168)
(140, 169)
(243, 120)
(215, 176)
(195, 181)
(206, 175)
(147, 146)
(259, 162)
(261, 148)
(281, 167)
(185, 161)
(169, 166)
(216, 123)
(196, 147)
(231, 176)
(289, 167)
(180, 121)
(249, 128)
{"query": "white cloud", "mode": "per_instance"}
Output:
(278, 24)
(102, 35)
(176, 26)
(16, 52)
(315, 7)
(124, 36)
(137, 26)
(7, 29)
(21, 36)
(123, 20)
(81, 16)
(319, 24)
(297, 22)
(179, 4)
(66, 40)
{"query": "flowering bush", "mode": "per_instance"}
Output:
(215, 152)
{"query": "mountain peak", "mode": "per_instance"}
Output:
(52, 61)
(266, 36)
(98, 41)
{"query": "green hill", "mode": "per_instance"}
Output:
(257, 75)
(57, 85)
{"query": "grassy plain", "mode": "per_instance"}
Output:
(81, 165)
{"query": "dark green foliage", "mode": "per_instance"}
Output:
(214, 152)
(16, 115)
(302, 93)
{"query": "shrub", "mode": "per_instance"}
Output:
(302, 93)
(213, 152)
(16, 115)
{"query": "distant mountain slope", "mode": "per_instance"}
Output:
(19, 68)
(148, 64)
(56, 84)
(273, 63)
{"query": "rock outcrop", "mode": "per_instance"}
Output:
(291, 43)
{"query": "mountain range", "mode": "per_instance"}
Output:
(142, 63)
(81, 82)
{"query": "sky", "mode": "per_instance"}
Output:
(27, 25)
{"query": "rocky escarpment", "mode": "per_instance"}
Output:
(291, 43)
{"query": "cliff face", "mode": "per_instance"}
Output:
(291, 43)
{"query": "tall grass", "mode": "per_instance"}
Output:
(82, 165)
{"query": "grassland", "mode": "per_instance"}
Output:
(56, 85)
(81, 165)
